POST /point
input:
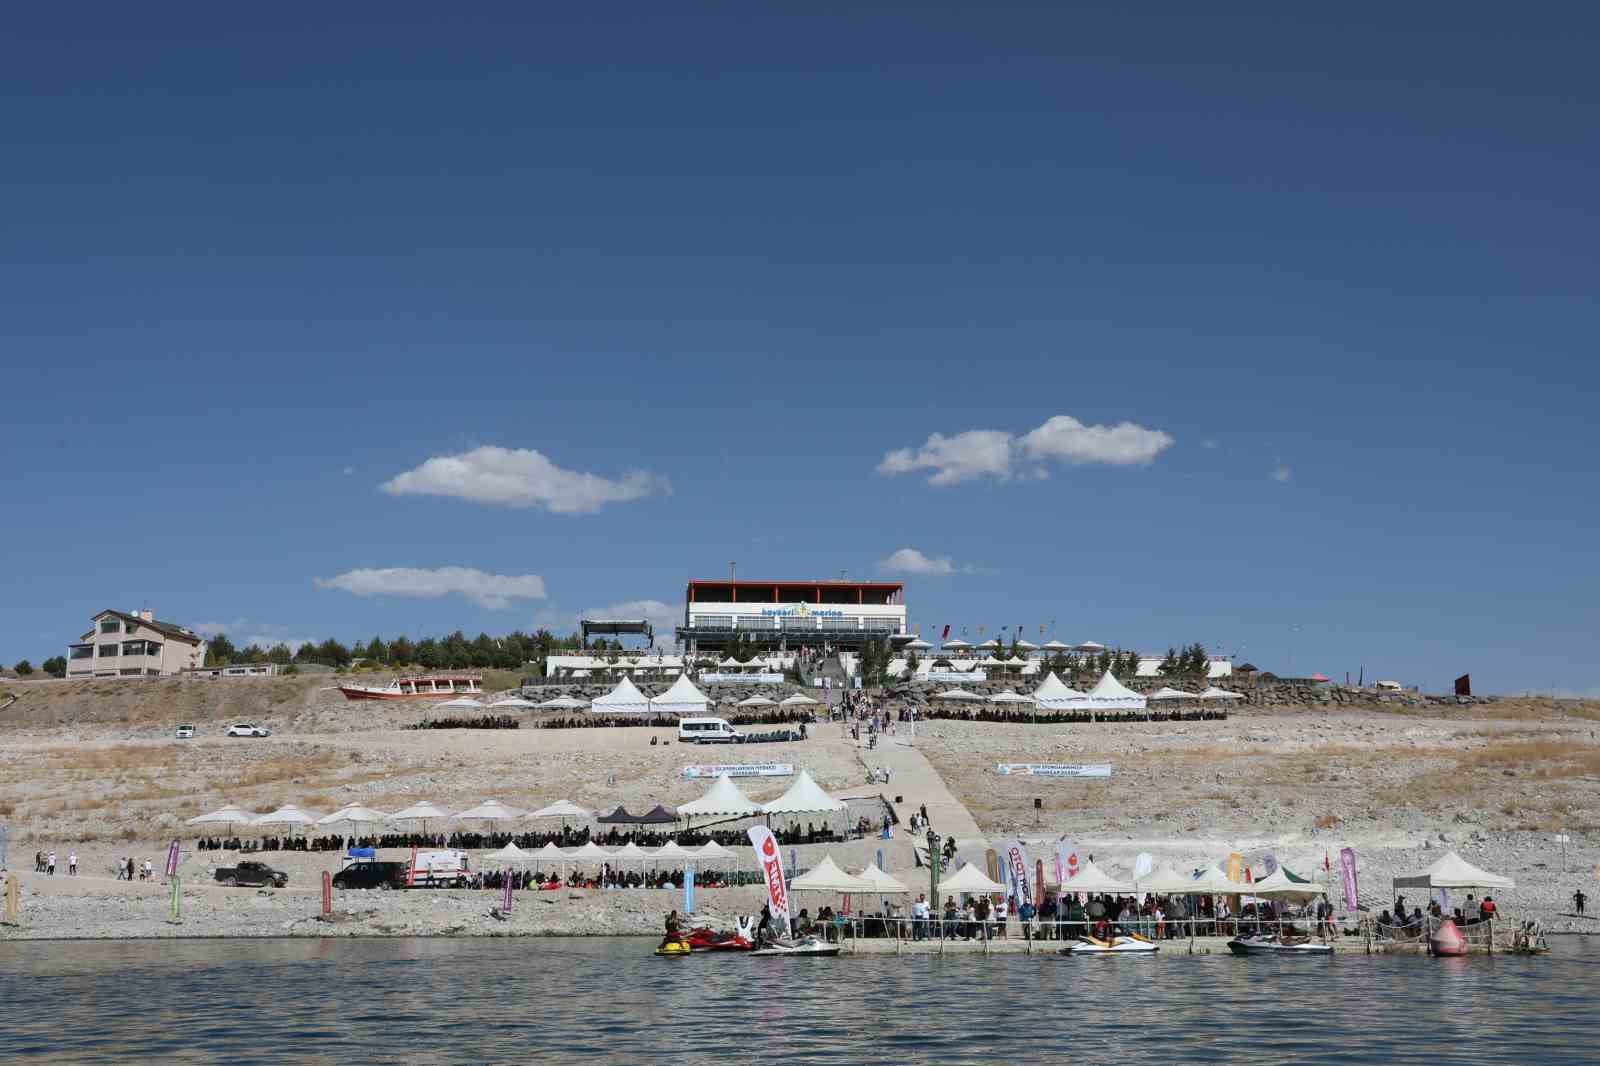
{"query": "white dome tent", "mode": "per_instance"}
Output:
(1112, 695)
(682, 700)
(624, 699)
(1053, 694)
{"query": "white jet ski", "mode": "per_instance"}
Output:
(1117, 945)
(1253, 945)
(801, 946)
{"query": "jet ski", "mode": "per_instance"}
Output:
(1262, 945)
(1116, 945)
(805, 945)
(703, 939)
(680, 946)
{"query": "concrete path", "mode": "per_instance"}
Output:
(912, 777)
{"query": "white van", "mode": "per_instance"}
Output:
(441, 868)
(707, 731)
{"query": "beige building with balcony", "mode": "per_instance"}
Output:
(134, 645)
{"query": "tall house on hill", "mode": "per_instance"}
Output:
(134, 645)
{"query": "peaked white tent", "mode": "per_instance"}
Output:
(955, 642)
(1171, 694)
(1165, 881)
(1091, 878)
(1453, 871)
(712, 850)
(881, 882)
(288, 814)
(969, 879)
(723, 798)
(229, 815)
(589, 851)
(805, 796)
(1055, 645)
(1053, 694)
(826, 876)
(353, 812)
(630, 852)
(490, 811)
(1278, 885)
(1213, 882)
(509, 854)
(918, 645)
(671, 850)
(1109, 694)
(682, 699)
(561, 809)
(624, 699)
(1212, 692)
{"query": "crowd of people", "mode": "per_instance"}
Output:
(960, 714)
(609, 878)
(772, 716)
(1397, 924)
(566, 837)
(485, 721)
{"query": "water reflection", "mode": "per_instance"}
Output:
(532, 1000)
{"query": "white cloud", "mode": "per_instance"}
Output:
(211, 629)
(494, 591)
(975, 453)
(521, 477)
(1208, 444)
(349, 470)
(1281, 473)
(1124, 444)
(995, 453)
(911, 561)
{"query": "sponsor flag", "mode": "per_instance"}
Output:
(13, 898)
(688, 889)
(770, 859)
(1068, 862)
(1347, 874)
(946, 634)
(172, 859)
(505, 903)
(1014, 859)
(411, 868)
(327, 892)
(1143, 863)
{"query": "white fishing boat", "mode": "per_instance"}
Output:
(419, 687)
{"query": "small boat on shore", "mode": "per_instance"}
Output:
(1259, 945)
(1117, 945)
(418, 687)
(806, 946)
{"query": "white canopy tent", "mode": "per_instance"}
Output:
(1053, 694)
(229, 816)
(1171, 694)
(353, 812)
(562, 809)
(624, 699)
(1452, 871)
(490, 811)
(826, 876)
(955, 642)
(957, 694)
(288, 814)
(881, 882)
(630, 852)
(1008, 696)
(1278, 885)
(682, 699)
(510, 855)
(1165, 881)
(805, 796)
(563, 703)
(672, 851)
(588, 853)
(1212, 692)
(712, 850)
(461, 703)
(722, 799)
(918, 645)
(513, 703)
(969, 879)
(1109, 694)
(1055, 646)
(757, 701)
(799, 699)
(1091, 878)
(1213, 882)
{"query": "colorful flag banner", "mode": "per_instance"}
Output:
(1347, 873)
(770, 859)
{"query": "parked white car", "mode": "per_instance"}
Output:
(186, 732)
(246, 730)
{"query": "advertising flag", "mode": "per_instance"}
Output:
(172, 858)
(327, 892)
(946, 634)
(1068, 862)
(688, 889)
(770, 859)
(505, 903)
(1347, 874)
(1014, 861)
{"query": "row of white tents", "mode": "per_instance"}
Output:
(682, 700)
(723, 799)
(1108, 694)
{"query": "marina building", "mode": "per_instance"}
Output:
(791, 614)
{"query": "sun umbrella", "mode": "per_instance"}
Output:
(288, 814)
(564, 703)
(420, 811)
(490, 811)
(353, 812)
(229, 816)
(561, 809)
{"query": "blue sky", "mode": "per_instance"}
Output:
(728, 269)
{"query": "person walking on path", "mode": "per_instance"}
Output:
(72, 864)
(50, 864)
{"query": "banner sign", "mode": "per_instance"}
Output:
(742, 679)
(956, 675)
(1014, 859)
(736, 769)
(1347, 873)
(770, 859)
(1048, 769)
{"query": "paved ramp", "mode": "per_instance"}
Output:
(913, 777)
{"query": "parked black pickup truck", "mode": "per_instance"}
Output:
(252, 873)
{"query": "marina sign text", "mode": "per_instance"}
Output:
(759, 769)
(1050, 769)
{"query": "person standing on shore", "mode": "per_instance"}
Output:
(72, 864)
(1578, 900)
(50, 864)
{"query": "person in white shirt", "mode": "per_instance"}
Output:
(72, 864)
(919, 918)
(50, 864)
(148, 870)
(1001, 910)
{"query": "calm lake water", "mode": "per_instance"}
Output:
(357, 1001)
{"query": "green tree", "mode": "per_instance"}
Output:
(279, 653)
(24, 668)
(1170, 664)
(220, 651)
(56, 666)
